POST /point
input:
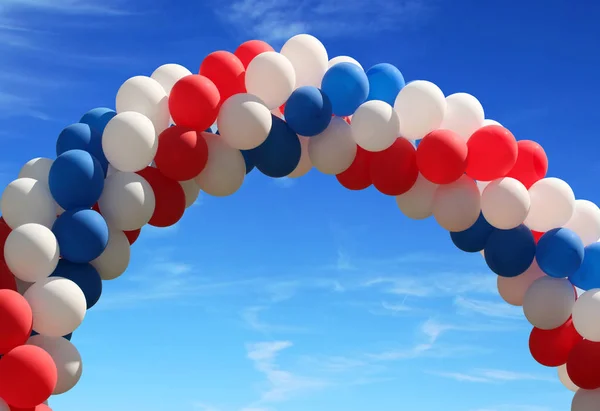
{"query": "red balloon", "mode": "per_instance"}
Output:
(227, 72)
(442, 156)
(552, 347)
(394, 170)
(96, 208)
(250, 49)
(132, 235)
(4, 232)
(169, 195)
(357, 176)
(194, 102)
(492, 153)
(583, 365)
(531, 165)
(536, 235)
(16, 320)
(41, 407)
(182, 153)
(7, 278)
(27, 376)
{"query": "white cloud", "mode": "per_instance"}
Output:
(488, 308)
(77, 7)
(284, 182)
(492, 376)
(252, 319)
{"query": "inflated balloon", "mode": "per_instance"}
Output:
(347, 86)
(31, 252)
(244, 121)
(26, 200)
(247, 51)
(442, 156)
(169, 74)
(114, 260)
(247, 160)
(4, 406)
(7, 278)
(308, 57)
(493, 153)
(588, 274)
(489, 122)
(182, 153)
(474, 238)
(194, 102)
(145, 95)
(585, 400)
(132, 235)
(583, 365)
(191, 191)
(548, 191)
(417, 203)
(505, 203)
(82, 235)
(563, 377)
(37, 168)
(531, 165)
(86, 137)
(271, 77)
(333, 151)
(28, 376)
(58, 306)
(225, 169)
(226, 71)
(4, 232)
(16, 319)
(456, 206)
(280, 153)
(308, 111)
(513, 289)
(510, 252)
(464, 115)
(552, 347)
(66, 358)
(305, 165)
(85, 276)
(560, 252)
(169, 198)
(548, 302)
(344, 59)
(421, 107)
(97, 118)
(127, 202)
(585, 221)
(394, 170)
(358, 175)
(375, 126)
(385, 82)
(585, 315)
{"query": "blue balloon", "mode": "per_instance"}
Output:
(347, 87)
(76, 180)
(588, 275)
(81, 136)
(560, 252)
(308, 111)
(385, 82)
(98, 118)
(85, 276)
(248, 161)
(474, 238)
(82, 235)
(280, 153)
(509, 253)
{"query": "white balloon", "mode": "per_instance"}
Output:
(225, 169)
(38, 169)
(31, 252)
(585, 221)
(513, 289)
(481, 185)
(456, 206)
(129, 141)
(3, 405)
(564, 378)
(111, 170)
(127, 202)
(375, 125)
(333, 151)
(244, 122)
(115, 258)
(417, 203)
(505, 203)
(191, 191)
(464, 114)
(488, 122)
(271, 77)
(305, 165)
(58, 306)
(552, 204)
(343, 59)
(421, 107)
(548, 302)
(169, 74)
(22, 286)
(308, 57)
(277, 113)
(65, 356)
(145, 95)
(26, 200)
(586, 315)
(586, 400)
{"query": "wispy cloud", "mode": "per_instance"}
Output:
(252, 318)
(487, 308)
(284, 182)
(492, 376)
(73, 7)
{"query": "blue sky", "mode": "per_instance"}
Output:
(300, 295)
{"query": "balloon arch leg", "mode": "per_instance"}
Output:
(67, 224)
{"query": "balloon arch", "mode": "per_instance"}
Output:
(67, 224)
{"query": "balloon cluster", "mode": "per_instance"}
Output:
(67, 224)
